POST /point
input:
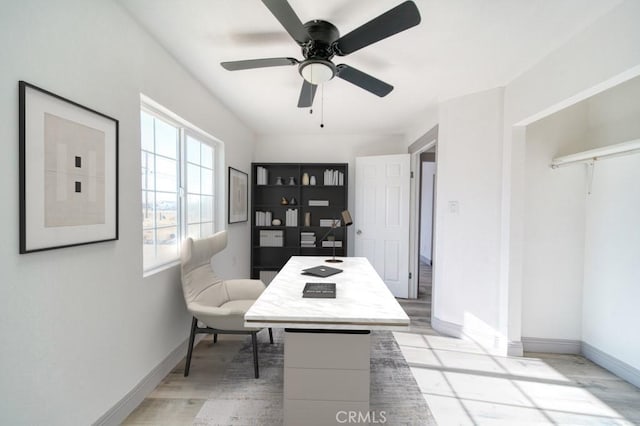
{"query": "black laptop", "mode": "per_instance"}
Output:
(321, 271)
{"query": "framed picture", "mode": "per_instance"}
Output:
(238, 196)
(68, 172)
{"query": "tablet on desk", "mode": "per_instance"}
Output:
(321, 271)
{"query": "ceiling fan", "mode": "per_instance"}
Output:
(320, 42)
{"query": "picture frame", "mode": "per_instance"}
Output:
(68, 166)
(238, 196)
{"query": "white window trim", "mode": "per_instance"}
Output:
(186, 128)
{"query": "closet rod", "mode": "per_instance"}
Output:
(624, 148)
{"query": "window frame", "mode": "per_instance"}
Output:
(185, 130)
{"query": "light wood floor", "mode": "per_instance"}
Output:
(462, 383)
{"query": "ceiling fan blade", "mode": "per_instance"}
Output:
(307, 93)
(287, 17)
(363, 80)
(258, 63)
(400, 18)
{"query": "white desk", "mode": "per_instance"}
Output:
(327, 341)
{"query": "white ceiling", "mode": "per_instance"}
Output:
(460, 47)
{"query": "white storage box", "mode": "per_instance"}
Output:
(273, 238)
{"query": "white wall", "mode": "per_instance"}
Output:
(80, 326)
(328, 148)
(554, 218)
(612, 276)
(467, 240)
(612, 235)
(426, 209)
(607, 51)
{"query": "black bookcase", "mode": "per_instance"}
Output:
(312, 208)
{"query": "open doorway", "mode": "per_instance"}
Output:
(422, 229)
(425, 214)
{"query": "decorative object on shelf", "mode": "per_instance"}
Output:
(279, 180)
(293, 201)
(305, 179)
(284, 201)
(292, 180)
(68, 178)
(347, 221)
(307, 219)
(238, 196)
(276, 222)
(312, 181)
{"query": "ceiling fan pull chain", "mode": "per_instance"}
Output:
(322, 106)
(311, 97)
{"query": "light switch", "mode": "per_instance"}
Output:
(454, 207)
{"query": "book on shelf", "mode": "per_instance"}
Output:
(263, 218)
(262, 175)
(317, 203)
(291, 217)
(332, 243)
(333, 177)
(307, 239)
(320, 290)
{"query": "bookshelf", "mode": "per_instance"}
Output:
(303, 199)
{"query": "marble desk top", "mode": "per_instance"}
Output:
(363, 301)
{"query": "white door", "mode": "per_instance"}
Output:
(381, 217)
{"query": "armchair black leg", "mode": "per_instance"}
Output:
(270, 336)
(215, 338)
(194, 325)
(254, 341)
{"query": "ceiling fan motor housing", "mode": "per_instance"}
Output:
(322, 35)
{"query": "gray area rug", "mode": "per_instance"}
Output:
(239, 399)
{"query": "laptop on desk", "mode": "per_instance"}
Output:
(321, 271)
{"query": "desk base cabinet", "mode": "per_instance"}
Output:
(326, 375)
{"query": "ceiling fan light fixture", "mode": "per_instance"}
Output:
(317, 71)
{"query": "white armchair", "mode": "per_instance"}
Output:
(219, 304)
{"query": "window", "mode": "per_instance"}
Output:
(179, 176)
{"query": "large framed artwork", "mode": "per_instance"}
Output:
(68, 172)
(238, 196)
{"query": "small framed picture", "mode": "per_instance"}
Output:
(68, 172)
(238, 196)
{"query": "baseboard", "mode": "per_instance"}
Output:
(515, 348)
(446, 328)
(554, 346)
(617, 367)
(492, 342)
(116, 414)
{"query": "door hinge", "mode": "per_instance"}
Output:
(411, 175)
(409, 275)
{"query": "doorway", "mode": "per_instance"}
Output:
(426, 213)
(423, 224)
